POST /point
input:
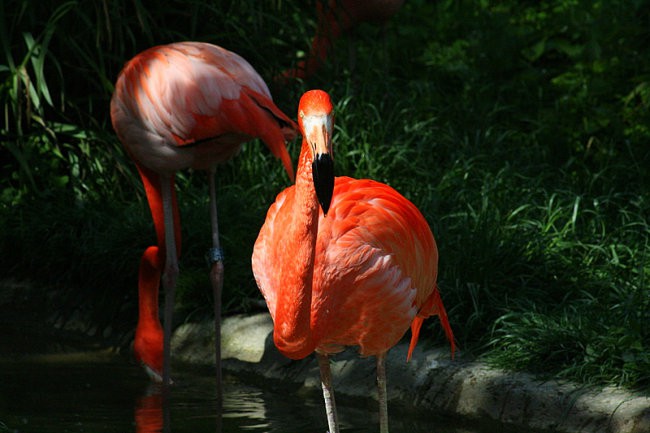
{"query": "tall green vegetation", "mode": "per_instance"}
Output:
(520, 130)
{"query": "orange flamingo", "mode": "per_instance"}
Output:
(177, 106)
(358, 272)
(335, 18)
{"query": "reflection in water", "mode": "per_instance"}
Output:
(246, 405)
(84, 394)
(153, 409)
(190, 405)
(149, 411)
(242, 405)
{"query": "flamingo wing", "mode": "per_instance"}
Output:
(376, 265)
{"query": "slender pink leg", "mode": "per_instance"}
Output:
(215, 257)
(170, 274)
(381, 393)
(328, 392)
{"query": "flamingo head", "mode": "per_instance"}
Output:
(148, 349)
(316, 121)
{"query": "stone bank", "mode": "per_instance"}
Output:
(431, 381)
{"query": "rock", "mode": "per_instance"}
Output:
(431, 381)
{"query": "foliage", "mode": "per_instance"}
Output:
(520, 130)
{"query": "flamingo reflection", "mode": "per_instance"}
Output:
(149, 413)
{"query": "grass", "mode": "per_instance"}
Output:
(520, 130)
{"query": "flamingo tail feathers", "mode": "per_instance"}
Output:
(432, 306)
(416, 325)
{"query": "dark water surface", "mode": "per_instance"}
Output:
(100, 392)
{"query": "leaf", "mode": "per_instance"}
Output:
(534, 52)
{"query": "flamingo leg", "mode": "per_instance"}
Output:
(215, 257)
(381, 393)
(328, 392)
(170, 273)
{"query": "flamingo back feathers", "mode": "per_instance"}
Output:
(189, 93)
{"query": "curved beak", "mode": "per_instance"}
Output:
(318, 131)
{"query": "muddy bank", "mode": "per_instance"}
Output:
(431, 381)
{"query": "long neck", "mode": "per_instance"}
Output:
(148, 343)
(148, 283)
(292, 333)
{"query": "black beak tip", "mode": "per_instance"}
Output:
(323, 174)
(325, 207)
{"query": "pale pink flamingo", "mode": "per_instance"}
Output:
(178, 106)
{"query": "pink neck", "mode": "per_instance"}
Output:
(149, 281)
(292, 329)
(149, 334)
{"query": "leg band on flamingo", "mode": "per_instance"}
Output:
(214, 255)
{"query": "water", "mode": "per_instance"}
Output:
(99, 392)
